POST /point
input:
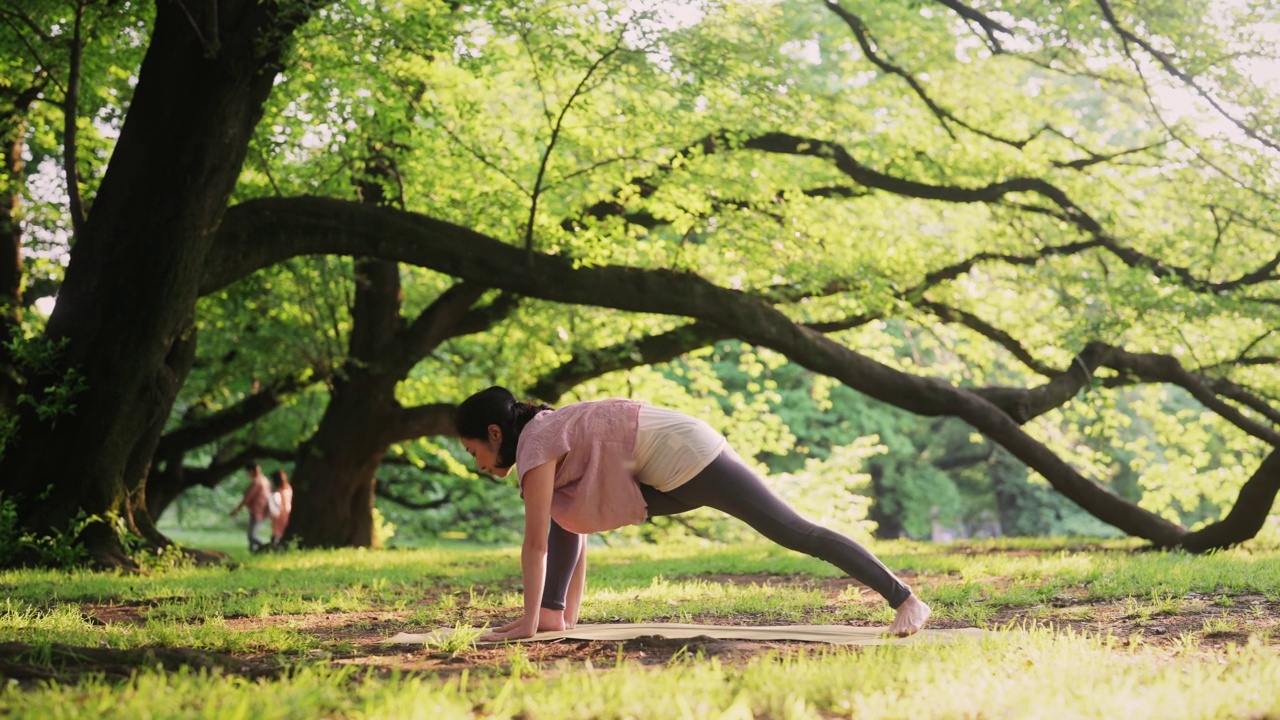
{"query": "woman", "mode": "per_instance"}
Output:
(595, 466)
(257, 500)
(282, 501)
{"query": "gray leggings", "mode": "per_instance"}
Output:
(731, 487)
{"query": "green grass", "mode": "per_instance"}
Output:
(1025, 674)
(1205, 667)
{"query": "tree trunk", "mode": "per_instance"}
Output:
(12, 133)
(181, 358)
(336, 473)
(333, 482)
(133, 278)
(888, 525)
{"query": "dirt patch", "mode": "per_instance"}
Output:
(534, 658)
(1197, 623)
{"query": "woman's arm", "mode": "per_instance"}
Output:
(577, 584)
(538, 485)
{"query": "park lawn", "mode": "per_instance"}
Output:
(1078, 630)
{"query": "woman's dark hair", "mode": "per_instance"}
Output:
(496, 406)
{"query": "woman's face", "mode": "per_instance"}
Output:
(485, 451)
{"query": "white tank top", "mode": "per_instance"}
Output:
(672, 447)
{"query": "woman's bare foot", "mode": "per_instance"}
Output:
(550, 620)
(912, 615)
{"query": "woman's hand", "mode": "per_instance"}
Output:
(525, 627)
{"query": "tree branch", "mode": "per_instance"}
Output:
(70, 113)
(423, 421)
(945, 117)
(433, 326)
(263, 231)
(204, 430)
(555, 135)
(650, 350)
(1171, 67)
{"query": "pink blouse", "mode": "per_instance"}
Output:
(595, 489)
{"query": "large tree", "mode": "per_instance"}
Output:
(125, 308)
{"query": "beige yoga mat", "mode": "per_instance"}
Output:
(835, 634)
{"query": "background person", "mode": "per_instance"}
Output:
(257, 500)
(282, 505)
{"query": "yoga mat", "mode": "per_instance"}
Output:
(834, 634)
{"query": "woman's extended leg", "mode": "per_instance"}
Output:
(730, 486)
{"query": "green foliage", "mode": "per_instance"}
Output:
(382, 529)
(515, 120)
(32, 356)
(58, 547)
(10, 530)
(577, 129)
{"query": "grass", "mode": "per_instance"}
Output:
(1198, 641)
(1031, 674)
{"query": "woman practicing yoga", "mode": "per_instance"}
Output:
(595, 466)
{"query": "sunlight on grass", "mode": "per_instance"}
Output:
(680, 600)
(1025, 674)
(461, 638)
(1202, 666)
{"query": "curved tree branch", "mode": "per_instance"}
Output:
(261, 232)
(206, 429)
(437, 323)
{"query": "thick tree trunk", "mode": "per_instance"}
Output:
(166, 481)
(132, 282)
(333, 481)
(888, 525)
(181, 357)
(336, 472)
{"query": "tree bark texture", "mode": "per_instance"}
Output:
(132, 282)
